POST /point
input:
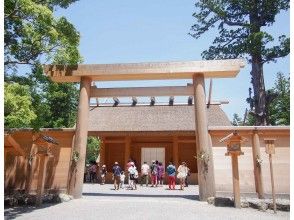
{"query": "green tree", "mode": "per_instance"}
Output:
(32, 31)
(93, 148)
(241, 25)
(18, 111)
(279, 108)
(32, 34)
(55, 104)
(237, 120)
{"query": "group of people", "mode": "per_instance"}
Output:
(155, 172)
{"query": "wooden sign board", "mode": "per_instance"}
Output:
(234, 146)
(269, 146)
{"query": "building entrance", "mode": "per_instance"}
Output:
(151, 153)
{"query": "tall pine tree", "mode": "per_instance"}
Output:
(241, 25)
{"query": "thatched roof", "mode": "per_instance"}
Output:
(151, 118)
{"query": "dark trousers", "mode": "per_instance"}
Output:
(144, 179)
(92, 177)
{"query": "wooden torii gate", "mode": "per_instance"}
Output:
(196, 70)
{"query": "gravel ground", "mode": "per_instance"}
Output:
(102, 202)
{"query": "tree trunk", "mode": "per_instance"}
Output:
(257, 67)
(259, 90)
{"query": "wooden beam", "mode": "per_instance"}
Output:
(152, 101)
(134, 101)
(145, 71)
(116, 101)
(209, 94)
(127, 155)
(206, 169)
(175, 151)
(171, 100)
(257, 167)
(43, 159)
(142, 91)
(80, 143)
(190, 100)
(15, 145)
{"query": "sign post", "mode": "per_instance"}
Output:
(270, 149)
(233, 141)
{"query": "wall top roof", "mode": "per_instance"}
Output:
(145, 71)
(151, 118)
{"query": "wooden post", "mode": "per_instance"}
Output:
(81, 134)
(175, 151)
(32, 165)
(273, 183)
(236, 184)
(127, 150)
(205, 168)
(257, 167)
(43, 159)
(102, 152)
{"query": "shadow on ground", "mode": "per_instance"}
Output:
(17, 211)
(190, 197)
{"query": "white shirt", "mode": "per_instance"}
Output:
(122, 177)
(145, 169)
(132, 170)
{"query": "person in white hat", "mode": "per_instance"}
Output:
(133, 175)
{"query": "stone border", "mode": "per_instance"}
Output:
(23, 199)
(260, 204)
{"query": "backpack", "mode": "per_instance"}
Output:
(154, 169)
(136, 175)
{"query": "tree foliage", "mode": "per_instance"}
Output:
(93, 149)
(237, 120)
(18, 111)
(241, 25)
(279, 108)
(31, 30)
(54, 104)
(33, 36)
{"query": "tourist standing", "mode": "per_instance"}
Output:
(103, 174)
(188, 174)
(116, 175)
(160, 175)
(154, 171)
(93, 170)
(171, 172)
(128, 165)
(144, 173)
(122, 179)
(133, 175)
(182, 174)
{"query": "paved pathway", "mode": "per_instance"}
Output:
(102, 202)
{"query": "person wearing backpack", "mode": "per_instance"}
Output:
(116, 175)
(133, 176)
(154, 172)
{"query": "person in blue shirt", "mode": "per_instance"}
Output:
(116, 175)
(171, 172)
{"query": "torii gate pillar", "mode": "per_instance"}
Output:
(76, 175)
(205, 167)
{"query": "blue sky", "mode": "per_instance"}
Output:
(136, 31)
